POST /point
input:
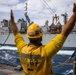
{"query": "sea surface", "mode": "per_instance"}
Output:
(9, 56)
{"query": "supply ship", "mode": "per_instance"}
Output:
(50, 31)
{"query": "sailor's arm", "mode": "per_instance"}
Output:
(18, 38)
(13, 24)
(70, 24)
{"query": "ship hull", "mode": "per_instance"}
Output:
(7, 39)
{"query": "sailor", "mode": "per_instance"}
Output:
(36, 59)
(73, 56)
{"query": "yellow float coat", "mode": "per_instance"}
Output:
(37, 60)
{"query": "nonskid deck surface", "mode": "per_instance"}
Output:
(10, 70)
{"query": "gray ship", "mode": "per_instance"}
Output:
(7, 38)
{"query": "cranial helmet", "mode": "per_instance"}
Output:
(34, 31)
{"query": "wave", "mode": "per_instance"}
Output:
(61, 52)
(8, 47)
(65, 52)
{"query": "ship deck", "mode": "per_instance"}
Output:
(10, 70)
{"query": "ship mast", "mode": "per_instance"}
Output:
(26, 16)
(65, 17)
(55, 18)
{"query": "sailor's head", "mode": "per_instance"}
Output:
(34, 31)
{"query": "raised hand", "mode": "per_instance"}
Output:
(12, 17)
(74, 8)
(13, 24)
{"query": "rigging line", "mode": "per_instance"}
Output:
(53, 4)
(5, 39)
(62, 64)
(45, 5)
(48, 6)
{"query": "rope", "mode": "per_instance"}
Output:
(5, 39)
(62, 64)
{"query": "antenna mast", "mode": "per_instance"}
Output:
(65, 17)
(27, 17)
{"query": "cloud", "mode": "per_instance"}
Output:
(4, 16)
(19, 6)
(10, 2)
(4, 8)
(38, 10)
(6, 5)
(34, 6)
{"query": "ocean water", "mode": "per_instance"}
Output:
(9, 55)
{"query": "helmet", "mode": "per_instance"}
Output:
(34, 31)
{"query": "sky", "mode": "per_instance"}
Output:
(38, 10)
